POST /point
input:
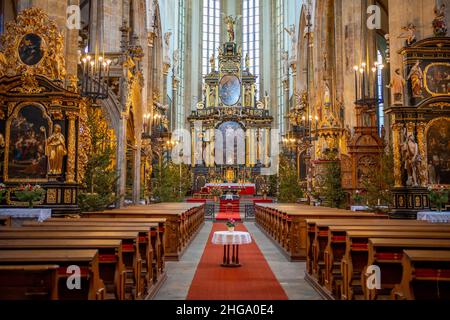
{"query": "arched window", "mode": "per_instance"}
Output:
(251, 27)
(380, 91)
(211, 33)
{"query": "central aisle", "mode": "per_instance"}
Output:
(253, 281)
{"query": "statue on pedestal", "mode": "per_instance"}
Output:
(439, 22)
(55, 151)
(291, 32)
(176, 62)
(397, 86)
(231, 23)
(212, 62)
(411, 159)
(167, 36)
(416, 77)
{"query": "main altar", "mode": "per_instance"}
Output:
(230, 128)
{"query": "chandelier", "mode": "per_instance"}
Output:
(95, 67)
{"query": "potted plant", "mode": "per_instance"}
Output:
(231, 224)
(438, 197)
(2, 191)
(30, 194)
(357, 198)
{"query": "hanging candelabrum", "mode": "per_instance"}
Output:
(95, 75)
(366, 83)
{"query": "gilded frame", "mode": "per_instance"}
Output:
(11, 117)
(427, 129)
(425, 74)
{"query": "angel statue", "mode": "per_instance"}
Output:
(409, 34)
(231, 23)
(439, 22)
(291, 32)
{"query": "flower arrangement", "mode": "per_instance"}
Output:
(231, 224)
(357, 197)
(30, 194)
(438, 197)
(2, 191)
(216, 192)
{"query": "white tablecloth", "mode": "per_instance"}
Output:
(434, 217)
(235, 237)
(39, 214)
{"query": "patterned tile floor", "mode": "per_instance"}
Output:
(289, 274)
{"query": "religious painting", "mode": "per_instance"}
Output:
(437, 79)
(27, 159)
(438, 151)
(31, 49)
(230, 90)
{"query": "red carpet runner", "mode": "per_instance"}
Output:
(224, 216)
(253, 281)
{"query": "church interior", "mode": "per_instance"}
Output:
(224, 150)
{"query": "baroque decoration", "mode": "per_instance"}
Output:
(40, 119)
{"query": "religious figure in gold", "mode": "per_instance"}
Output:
(231, 22)
(416, 77)
(56, 150)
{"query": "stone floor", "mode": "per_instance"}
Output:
(289, 274)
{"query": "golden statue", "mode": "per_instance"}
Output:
(231, 23)
(56, 150)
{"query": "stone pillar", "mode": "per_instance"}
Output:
(421, 141)
(71, 148)
(175, 82)
(121, 164)
(166, 68)
(137, 174)
(396, 141)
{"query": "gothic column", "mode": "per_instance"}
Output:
(71, 148)
(121, 164)
(423, 175)
(286, 103)
(175, 82)
(396, 141)
(137, 173)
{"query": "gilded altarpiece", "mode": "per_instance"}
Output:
(40, 114)
(228, 112)
(420, 127)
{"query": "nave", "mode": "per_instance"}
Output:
(287, 275)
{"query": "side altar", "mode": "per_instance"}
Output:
(41, 115)
(230, 128)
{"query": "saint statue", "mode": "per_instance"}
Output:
(231, 23)
(212, 62)
(176, 62)
(292, 34)
(55, 151)
(167, 36)
(409, 34)
(397, 86)
(416, 77)
(247, 62)
(411, 160)
(285, 58)
(439, 22)
(266, 100)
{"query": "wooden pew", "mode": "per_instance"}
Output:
(92, 287)
(5, 221)
(158, 239)
(149, 242)
(130, 247)
(317, 239)
(286, 224)
(356, 254)
(111, 267)
(29, 282)
(426, 276)
(330, 246)
(181, 224)
(388, 255)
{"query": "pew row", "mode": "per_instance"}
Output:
(183, 221)
(16, 267)
(286, 225)
(426, 276)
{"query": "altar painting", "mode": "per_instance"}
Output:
(438, 149)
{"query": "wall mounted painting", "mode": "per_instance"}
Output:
(31, 49)
(230, 90)
(438, 149)
(27, 137)
(437, 79)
